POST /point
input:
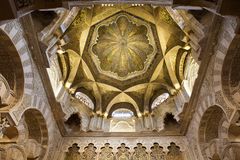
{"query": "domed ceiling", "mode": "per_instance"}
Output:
(122, 46)
(123, 54)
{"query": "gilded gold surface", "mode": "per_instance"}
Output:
(122, 46)
(123, 54)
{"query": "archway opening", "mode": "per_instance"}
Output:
(230, 73)
(209, 124)
(37, 133)
(11, 72)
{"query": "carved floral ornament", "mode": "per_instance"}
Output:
(122, 47)
(120, 59)
(106, 152)
(123, 152)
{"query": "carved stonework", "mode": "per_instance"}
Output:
(174, 152)
(157, 152)
(23, 3)
(73, 153)
(15, 153)
(140, 152)
(3, 125)
(7, 95)
(123, 153)
(220, 100)
(89, 152)
(123, 32)
(106, 152)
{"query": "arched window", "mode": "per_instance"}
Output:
(122, 121)
(85, 99)
(160, 99)
(122, 113)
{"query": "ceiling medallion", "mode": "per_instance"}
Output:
(122, 46)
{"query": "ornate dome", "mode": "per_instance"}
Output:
(123, 56)
(123, 47)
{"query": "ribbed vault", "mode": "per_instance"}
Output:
(123, 54)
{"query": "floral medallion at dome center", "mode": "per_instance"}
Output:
(122, 46)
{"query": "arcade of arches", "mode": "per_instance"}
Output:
(120, 80)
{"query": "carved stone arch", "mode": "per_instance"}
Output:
(19, 48)
(224, 45)
(206, 102)
(11, 69)
(34, 118)
(210, 124)
(31, 146)
(37, 132)
(230, 73)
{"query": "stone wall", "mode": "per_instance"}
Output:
(33, 100)
(212, 95)
(149, 147)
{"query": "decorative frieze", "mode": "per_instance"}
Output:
(125, 148)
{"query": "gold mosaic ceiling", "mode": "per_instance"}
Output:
(122, 46)
(123, 54)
